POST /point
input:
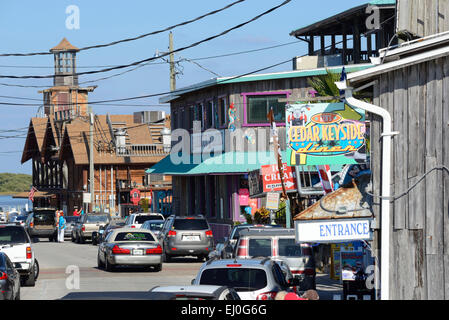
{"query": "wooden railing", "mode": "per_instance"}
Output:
(141, 150)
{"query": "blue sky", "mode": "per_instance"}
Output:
(36, 26)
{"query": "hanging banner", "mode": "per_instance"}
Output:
(325, 133)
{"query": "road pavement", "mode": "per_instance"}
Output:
(69, 271)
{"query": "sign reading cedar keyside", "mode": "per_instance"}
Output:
(325, 133)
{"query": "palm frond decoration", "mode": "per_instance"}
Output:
(324, 84)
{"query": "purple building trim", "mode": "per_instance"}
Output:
(246, 94)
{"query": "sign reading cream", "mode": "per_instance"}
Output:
(327, 231)
(325, 133)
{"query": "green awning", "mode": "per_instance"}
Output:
(225, 163)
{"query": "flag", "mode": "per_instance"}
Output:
(326, 178)
(31, 194)
(343, 78)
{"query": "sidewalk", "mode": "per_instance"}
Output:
(327, 288)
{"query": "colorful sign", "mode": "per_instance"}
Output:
(273, 200)
(271, 178)
(325, 133)
(328, 231)
(135, 196)
(243, 197)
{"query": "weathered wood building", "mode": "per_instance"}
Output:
(58, 143)
(413, 85)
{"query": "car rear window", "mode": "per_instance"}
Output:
(259, 247)
(288, 248)
(72, 219)
(142, 219)
(241, 279)
(190, 224)
(11, 234)
(134, 236)
(154, 226)
(44, 216)
(93, 219)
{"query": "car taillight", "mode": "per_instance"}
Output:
(242, 250)
(3, 276)
(157, 250)
(266, 296)
(309, 272)
(83, 228)
(133, 226)
(233, 265)
(31, 225)
(117, 250)
(29, 254)
(172, 233)
(209, 234)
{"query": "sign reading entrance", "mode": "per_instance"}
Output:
(327, 231)
(325, 133)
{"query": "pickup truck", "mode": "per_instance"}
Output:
(16, 244)
(89, 223)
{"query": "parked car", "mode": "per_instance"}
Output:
(154, 225)
(279, 244)
(227, 250)
(103, 231)
(89, 223)
(193, 292)
(20, 220)
(16, 243)
(70, 222)
(9, 279)
(41, 223)
(186, 236)
(136, 220)
(253, 279)
(130, 247)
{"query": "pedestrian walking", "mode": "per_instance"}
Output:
(61, 227)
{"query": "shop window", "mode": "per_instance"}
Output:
(257, 107)
(222, 111)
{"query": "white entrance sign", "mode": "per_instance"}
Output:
(333, 230)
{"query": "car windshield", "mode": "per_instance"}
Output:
(93, 219)
(154, 226)
(288, 248)
(71, 219)
(134, 236)
(142, 219)
(12, 235)
(190, 224)
(260, 247)
(241, 279)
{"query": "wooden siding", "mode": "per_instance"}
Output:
(423, 17)
(417, 98)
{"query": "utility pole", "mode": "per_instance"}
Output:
(172, 64)
(91, 160)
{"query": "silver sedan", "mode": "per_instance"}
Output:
(130, 247)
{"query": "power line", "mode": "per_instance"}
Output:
(131, 39)
(164, 54)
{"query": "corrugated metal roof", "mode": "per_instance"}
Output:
(260, 77)
(351, 201)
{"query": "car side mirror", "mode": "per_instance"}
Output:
(192, 282)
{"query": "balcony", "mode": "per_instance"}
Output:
(141, 150)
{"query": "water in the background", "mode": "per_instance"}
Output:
(8, 203)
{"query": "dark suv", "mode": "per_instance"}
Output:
(186, 236)
(42, 223)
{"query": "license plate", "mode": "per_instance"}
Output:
(138, 252)
(191, 238)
